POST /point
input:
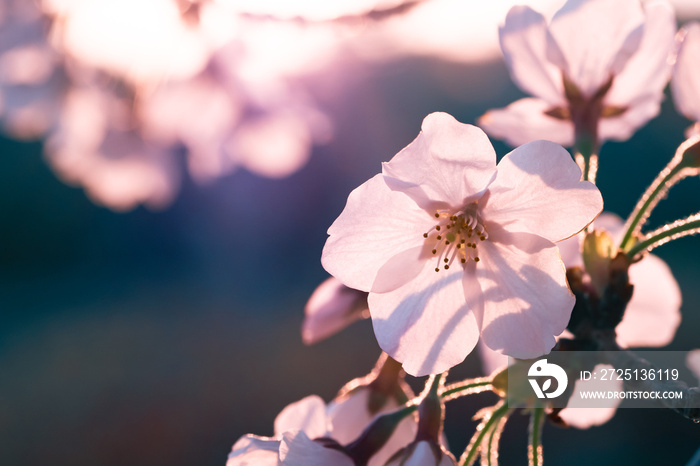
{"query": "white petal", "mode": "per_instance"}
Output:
(307, 414)
(491, 361)
(332, 307)
(648, 70)
(425, 324)
(538, 190)
(693, 362)
(349, 416)
(448, 165)
(524, 121)
(685, 82)
(622, 127)
(653, 313)
(376, 224)
(524, 44)
(519, 294)
(251, 450)
(579, 412)
(298, 450)
(596, 38)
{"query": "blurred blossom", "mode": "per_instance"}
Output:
(449, 29)
(332, 307)
(685, 81)
(602, 64)
(131, 39)
(98, 146)
(431, 297)
(30, 71)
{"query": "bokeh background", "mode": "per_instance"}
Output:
(160, 334)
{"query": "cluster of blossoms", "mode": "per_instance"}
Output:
(445, 249)
(121, 89)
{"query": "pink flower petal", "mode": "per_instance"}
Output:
(596, 38)
(685, 82)
(578, 412)
(332, 307)
(538, 190)
(307, 414)
(524, 121)
(297, 449)
(519, 294)
(693, 362)
(376, 224)
(491, 361)
(622, 127)
(524, 44)
(653, 313)
(350, 416)
(251, 449)
(449, 164)
(648, 70)
(425, 324)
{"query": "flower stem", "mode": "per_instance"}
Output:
(534, 448)
(586, 156)
(683, 164)
(465, 387)
(678, 229)
(472, 450)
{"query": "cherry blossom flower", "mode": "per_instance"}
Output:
(597, 67)
(341, 422)
(332, 307)
(95, 145)
(685, 82)
(451, 247)
(31, 72)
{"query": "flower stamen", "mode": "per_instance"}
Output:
(450, 236)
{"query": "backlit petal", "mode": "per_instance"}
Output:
(524, 44)
(653, 313)
(425, 324)
(376, 224)
(332, 307)
(252, 450)
(297, 449)
(538, 190)
(519, 294)
(448, 165)
(596, 38)
(685, 82)
(524, 121)
(307, 414)
(648, 70)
